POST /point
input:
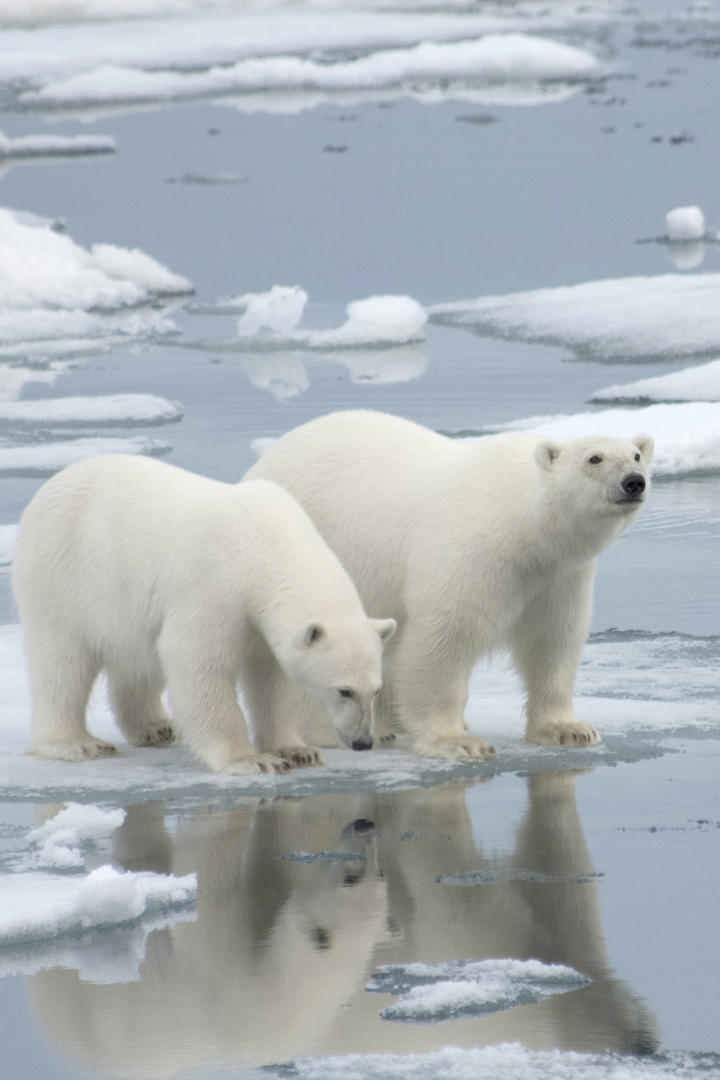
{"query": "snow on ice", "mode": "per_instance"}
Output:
(628, 319)
(687, 435)
(125, 409)
(57, 843)
(467, 988)
(495, 58)
(700, 383)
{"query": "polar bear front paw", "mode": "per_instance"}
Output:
(302, 756)
(154, 734)
(564, 733)
(454, 747)
(258, 763)
(86, 748)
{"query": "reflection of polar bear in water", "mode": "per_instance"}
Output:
(276, 965)
(471, 547)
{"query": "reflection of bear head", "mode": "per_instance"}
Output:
(604, 475)
(339, 662)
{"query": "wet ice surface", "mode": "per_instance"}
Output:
(233, 923)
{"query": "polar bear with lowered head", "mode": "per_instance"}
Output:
(159, 577)
(471, 546)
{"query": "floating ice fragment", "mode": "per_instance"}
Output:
(46, 458)
(701, 383)
(687, 435)
(126, 409)
(279, 310)
(59, 840)
(620, 319)
(8, 534)
(33, 146)
(37, 905)
(685, 223)
(466, 988)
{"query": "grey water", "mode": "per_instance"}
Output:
(614, 871)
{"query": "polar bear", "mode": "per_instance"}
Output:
(471, 545)
(160, 576)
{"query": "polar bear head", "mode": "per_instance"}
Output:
(339, 661)
(598, 477)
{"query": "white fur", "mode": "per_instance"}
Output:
(471, 546)
(161, 576)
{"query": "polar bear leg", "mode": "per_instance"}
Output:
(430, 697)
(137, 704)
(546, 644)
(61, 674)
(275, 703)
(204, 706)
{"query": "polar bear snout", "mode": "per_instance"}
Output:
(633, 485)
(362, 744)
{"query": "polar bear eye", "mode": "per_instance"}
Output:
(637, 457)
(595, 459)
(346, 693)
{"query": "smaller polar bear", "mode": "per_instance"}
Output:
(160, 576)
(472, 546)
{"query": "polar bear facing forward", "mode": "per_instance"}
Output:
(161, 577)
(471, 546)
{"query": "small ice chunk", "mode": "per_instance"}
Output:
(465, 988)
(279, 310)
(47, 458)
(8, 535)
(685, 223)
(126, 409)
(37, 905)
(32, 146)
(59, 840)
(701, 383)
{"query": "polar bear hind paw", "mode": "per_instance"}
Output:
(302, 756)
(160, 734)
(454, 747)
(86, 748)
(564, 733)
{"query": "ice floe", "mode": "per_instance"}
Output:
(35, 146)
(635, 718)
(619, 319)
(125, 409)
(506, 1061)
(467, 988)
(37, 905)
(700, 383)
(685, 223)
(494, 58)
(45, 458)
(687, 435)
(57, 843)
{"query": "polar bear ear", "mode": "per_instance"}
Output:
(645, 444)
(546, 452)
(312, 633)
(385, 628)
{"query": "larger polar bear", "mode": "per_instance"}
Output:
(161, 576)
(471, 546)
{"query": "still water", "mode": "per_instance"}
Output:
(612, 872)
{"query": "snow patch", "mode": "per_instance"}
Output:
(620, 319)
(469, 988)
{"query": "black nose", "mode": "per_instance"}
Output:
(362, 744)
(633, 484)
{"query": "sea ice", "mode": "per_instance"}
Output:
(33, 146)
(271, 321)
(468, 988)
(685, 223)
(46, 458)
(687, 435)
(57, 843)
(701, 383)
(494, 58)
(36, 904)
(627, 319)
(125, 409)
